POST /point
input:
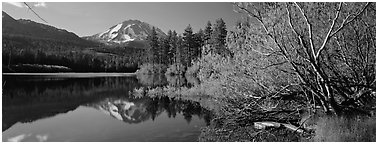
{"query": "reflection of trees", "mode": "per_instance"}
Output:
(152, 79)
(155, 80)
(124, 109)
(28, 99)
(30, 88)
(173, 106)
(142, 109)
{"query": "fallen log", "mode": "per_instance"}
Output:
(266, 124)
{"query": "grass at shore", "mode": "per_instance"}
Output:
(343, 129)
(235, 117)
(237, 124)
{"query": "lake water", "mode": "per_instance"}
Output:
(98, 108)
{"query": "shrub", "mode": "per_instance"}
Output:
(211, 66)
(192, 79)
(175, 69)
(152, 69)
(138, 92)
(152, 79)
(176, 80)
(194, 69)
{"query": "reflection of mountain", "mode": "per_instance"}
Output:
(123, 109)
(136, 110)
(27, 100)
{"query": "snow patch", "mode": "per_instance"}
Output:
(114, 32)
(128, 117)
(116, 28)
(113, 35)
(127, 38)
(103, 110)
(101, 34)
(114, 112)
(127, 105)
(42, 138)
(18, 138)
(128, 26)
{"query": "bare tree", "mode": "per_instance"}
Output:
(329, 47)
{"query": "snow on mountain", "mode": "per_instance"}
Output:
(114, 32)
(123, 109)
(127, 31)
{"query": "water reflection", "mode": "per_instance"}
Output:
(152, 80)
(158, 80)
(136, 110)
(31, 99)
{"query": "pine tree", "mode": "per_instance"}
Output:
(153, 43)
(169, 50)
(180, 50)
(218, 37)
(207, 33)
(172, 46)
(164, 50)
(189, 45)
(199, 42)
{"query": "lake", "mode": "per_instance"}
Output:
(94, 108)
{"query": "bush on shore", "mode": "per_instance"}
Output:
(175, 69)
(149, 68)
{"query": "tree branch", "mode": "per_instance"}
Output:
(259, 52)
(309, 30)
(296, 33)
(254, 16)
(275, 64)
(343, 24)
(329, 32)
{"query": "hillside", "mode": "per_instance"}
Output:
(31, 29)
(29, 46)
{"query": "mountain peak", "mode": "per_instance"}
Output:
(126, 31)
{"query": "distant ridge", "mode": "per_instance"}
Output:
(30, 29)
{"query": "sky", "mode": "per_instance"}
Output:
(89, 18)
